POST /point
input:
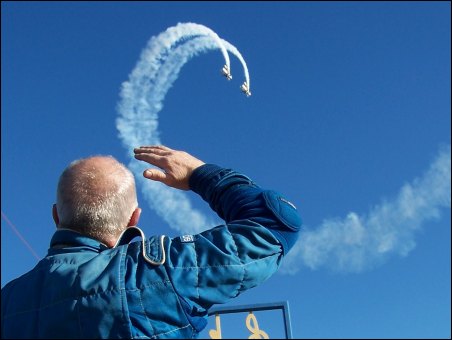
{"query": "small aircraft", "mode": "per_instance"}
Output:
(245, 89)
(226, 73)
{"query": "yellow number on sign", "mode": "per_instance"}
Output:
(216, 333)
(256, 333)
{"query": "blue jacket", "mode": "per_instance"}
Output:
(157, 287)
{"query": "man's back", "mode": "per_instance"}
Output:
(54, 293)
(87, 291)
(157, 287)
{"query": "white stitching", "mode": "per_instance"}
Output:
(128, 289)
(122, 283)
(171, 331)
(226, 265)
(241, 262)
(197, 269)
(145, 315)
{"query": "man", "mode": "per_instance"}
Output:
(93, 283)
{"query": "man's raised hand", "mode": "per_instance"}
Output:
(177, 166)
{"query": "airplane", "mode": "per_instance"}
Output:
(245, 89)
(226, 73)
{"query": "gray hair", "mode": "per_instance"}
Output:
(96, 196)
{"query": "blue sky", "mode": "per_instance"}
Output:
(350, 109)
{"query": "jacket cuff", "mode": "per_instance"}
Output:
(203, 176)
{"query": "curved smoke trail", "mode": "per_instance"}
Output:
(159, 46)
(141, 100)
(235, 51)
(357, 242)
(352, 244)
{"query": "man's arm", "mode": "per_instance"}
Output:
(220, 263)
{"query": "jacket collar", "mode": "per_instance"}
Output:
(67, 240)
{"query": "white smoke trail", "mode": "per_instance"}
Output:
(188, 30)
(353, 244)
(141, 100)
(360, 242)
(235, 51)
(133, 106)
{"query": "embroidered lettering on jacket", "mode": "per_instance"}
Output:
(187, 238)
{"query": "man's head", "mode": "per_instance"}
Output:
(96, 196)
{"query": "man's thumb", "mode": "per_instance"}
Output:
(155, 175)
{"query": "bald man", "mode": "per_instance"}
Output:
(96, 283)
(96, 197)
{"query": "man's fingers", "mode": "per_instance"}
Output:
(175, 166)
(157, 149)
(163, 147)
(155, 175)
(152, 158)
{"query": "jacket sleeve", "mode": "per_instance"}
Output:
(220, 263)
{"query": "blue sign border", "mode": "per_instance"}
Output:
(284, 306)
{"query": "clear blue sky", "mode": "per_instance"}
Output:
(351, 101)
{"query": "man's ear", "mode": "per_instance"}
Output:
(134, 218)
(55, 215)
